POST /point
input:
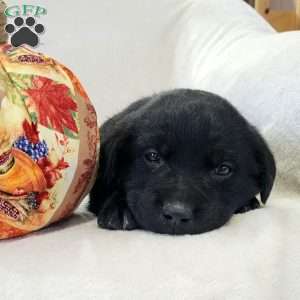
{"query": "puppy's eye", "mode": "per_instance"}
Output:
(152, 156)
(223, 169)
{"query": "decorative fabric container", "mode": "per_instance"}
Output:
(48, 141)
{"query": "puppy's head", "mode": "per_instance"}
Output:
(184, 161)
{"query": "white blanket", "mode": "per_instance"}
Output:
(123, 50)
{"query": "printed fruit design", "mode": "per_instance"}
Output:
(48, 141)
(27, 170)
(35, 151)
(23, 176)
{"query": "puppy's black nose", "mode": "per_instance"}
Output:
(177, 213)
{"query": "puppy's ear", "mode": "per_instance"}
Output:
(266, 165)
(115, 137)
(115, 151)
(112, 160)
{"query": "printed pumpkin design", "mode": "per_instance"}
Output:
(43, 113)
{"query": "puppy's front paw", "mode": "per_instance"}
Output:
(253, 204)
(116, 217)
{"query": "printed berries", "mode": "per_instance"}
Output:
(30, 143)
(34, 150)
(32, 201)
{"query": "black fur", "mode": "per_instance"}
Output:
(197, 135)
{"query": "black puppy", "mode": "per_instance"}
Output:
(179, 162)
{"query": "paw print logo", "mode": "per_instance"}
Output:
(24, 32)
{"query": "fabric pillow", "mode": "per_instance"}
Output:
(48, 141)
(244, 60)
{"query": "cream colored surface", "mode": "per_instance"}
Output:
(123, 50)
